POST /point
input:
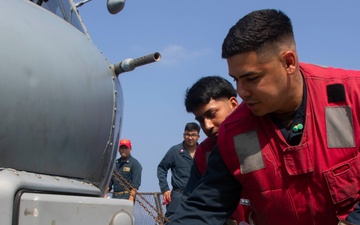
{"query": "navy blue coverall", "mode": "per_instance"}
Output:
(179, 161)
(130, 170)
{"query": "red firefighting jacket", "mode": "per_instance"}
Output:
(315, 182)
(201, 155)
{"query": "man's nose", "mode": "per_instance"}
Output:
(208, 124)
(242, 90)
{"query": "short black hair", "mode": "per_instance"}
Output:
(256, 31)
(207, 88)
(192, 126)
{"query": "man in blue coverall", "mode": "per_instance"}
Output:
(130, 169)
(179, 159)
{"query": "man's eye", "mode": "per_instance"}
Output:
(213, 114)
(252, 78)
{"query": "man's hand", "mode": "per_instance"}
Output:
(132, 195)
(131, 198)
(166, 197)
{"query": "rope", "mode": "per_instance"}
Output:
(127, 186)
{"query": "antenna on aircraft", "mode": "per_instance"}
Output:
(115, 6)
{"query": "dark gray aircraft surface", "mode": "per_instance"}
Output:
(61, 107)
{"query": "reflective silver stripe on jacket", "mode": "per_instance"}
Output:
(248, 151)
(339, 127)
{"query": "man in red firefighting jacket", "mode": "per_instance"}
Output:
(292, 147)
(211, 99)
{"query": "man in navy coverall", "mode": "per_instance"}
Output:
(130, 169)
(178, 159)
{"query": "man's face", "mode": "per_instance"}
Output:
(191, 137)
(124, 151)
(263, 84)
(212, 114)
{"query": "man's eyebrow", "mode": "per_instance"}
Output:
(243, 75)
(207, 112)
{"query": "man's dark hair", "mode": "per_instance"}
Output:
(192, 126)
(256, 31)
(207, 88)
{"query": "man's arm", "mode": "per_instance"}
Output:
(354, 217)
(162, 171)
(136, 180)
(214, 199)
(132, 195)
(136, 175)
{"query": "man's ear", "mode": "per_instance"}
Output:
(289, 59)
(233, 102)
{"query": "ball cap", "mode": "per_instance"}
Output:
(125, 142)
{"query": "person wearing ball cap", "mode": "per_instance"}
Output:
(130, 170)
